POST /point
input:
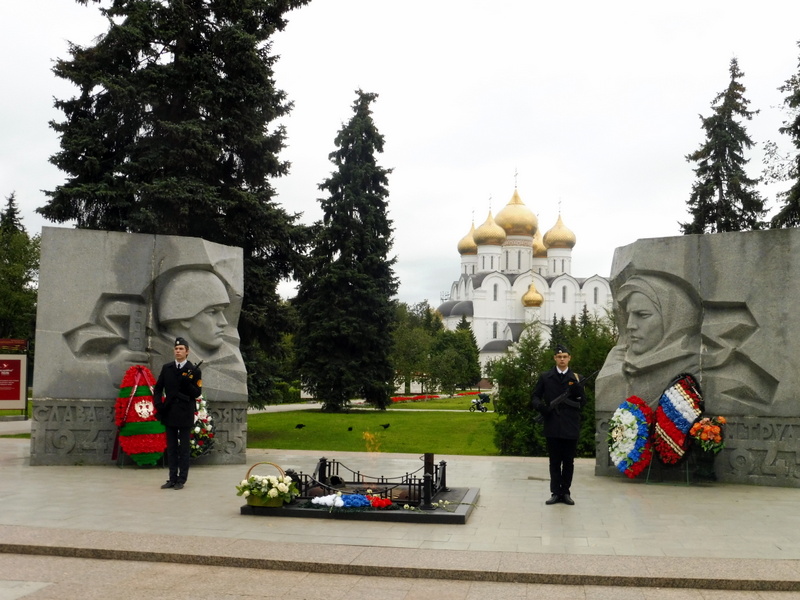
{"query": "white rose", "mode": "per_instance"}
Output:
(246, 493)
(197, 430)
(273, 493)
(283, 488)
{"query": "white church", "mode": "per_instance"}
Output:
(512, 275)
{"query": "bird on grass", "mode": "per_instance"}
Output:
(299, 426)
(349, 429)
(386, 426)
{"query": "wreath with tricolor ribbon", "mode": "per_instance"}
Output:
(678, 408)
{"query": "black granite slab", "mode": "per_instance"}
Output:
(462, 502)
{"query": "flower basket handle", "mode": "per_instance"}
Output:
(250, 470)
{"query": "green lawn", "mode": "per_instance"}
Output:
(408, 432)
(419, 430)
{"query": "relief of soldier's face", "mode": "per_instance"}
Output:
(644, 325)
(207, 327)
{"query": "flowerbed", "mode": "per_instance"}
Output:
(417, 398)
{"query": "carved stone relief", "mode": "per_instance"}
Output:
(719, 307)
(108, 301)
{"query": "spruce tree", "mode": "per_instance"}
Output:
(723, 197)
(789, 214)
(19, 268)
(469, 346)
(345, 301)
(172, 132)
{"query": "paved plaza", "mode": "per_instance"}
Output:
(107, 532)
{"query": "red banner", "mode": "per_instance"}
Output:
(13, 388)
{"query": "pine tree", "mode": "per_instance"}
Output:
(345, 301)
(171, 133)
(789, 214)
(19, 268)
(723, 197)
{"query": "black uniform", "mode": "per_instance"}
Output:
(180, 389)
(562, 424)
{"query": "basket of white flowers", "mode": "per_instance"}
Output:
(267, 490)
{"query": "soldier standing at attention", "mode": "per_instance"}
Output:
(175, 397)
(559, 399)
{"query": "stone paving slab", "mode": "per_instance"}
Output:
(688, 573)
(619, 533)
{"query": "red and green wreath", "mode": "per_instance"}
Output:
(141, 434)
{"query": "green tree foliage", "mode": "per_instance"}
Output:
(515, 375)
(789, 214)
(454, 360)
(468, 345)
(344, 302)
(19, 269)
(723, 197)
(412, 346)
(170, 133)
(589, 340)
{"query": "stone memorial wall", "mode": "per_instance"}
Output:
(718, 306)
(110, 300)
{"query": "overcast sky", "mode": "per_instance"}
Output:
(593, 105)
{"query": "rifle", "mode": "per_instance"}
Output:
(189, 374)
(563, 398)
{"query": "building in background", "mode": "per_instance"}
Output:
(512, 275)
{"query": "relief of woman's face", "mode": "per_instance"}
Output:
(645, 327)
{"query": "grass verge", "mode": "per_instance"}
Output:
(414, 432)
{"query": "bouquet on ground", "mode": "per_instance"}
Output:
(268, 486)
(201, 438)
(708, 433)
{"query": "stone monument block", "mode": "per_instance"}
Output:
(717, 306)
(111, 300)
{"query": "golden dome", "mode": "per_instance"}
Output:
(467, 244)
(539, 249)
(559, 236)
(532, 297)
(516, 218)
(490, 233)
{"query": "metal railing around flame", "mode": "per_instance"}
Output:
(417, 488)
